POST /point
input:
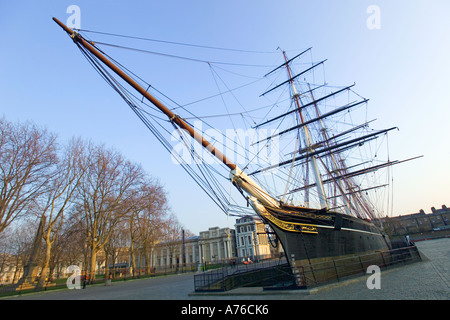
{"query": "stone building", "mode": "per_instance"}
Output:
(214, 245)
(217, 244)
(436, 223)
(251, 238)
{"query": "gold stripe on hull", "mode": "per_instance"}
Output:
(287, 226)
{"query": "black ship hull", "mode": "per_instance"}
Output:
(310, 236)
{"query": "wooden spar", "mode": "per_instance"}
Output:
(341, 109)
(352, 143)
(361, 190)
(357, 173)
(320, 189)
(334, 137)
(173, 117)
(291, 78)
(236, 174)
(287, 62)
(303, 106)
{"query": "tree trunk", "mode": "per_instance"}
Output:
(140, 263)
(30, 269)
(147, 263)
(106, 265)
(44, 272)
(93, 264)
(133, 262)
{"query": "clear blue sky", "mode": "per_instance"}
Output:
(402, 67)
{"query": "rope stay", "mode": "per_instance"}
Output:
(204, 174)
(279, 178)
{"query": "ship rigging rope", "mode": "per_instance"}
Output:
(215, 74)
(215, 188)
(133, 75)
(204, 175)
(175, 43)
(180, 57)
(204, 178)
(202, 172)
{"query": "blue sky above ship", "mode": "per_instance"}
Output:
(401, 67)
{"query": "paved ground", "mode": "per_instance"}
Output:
(426, 280)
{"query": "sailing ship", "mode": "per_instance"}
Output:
(320, 207)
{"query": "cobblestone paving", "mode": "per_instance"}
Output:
(426, 280)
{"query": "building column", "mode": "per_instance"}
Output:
(225, 249)
(211, 251)
(202, 253)
(219, 255)
(168, 257)
(150, 262)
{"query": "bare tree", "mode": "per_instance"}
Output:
(109, 181)
(97, 186)
(68, 173)
(8, 260)
(148, 209)
(72, 239)
(173, 235)
(135, 236)
(118, 240)
(151, 220)
(26, 155)
(20, 245)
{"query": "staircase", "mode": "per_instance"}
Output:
(263, 274)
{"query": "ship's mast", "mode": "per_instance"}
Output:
(236, 174)
(333, 159)
(315, 168)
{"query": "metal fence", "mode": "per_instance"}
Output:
(228, 277)
(120, 274)
(277, 274)
(341, 269)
